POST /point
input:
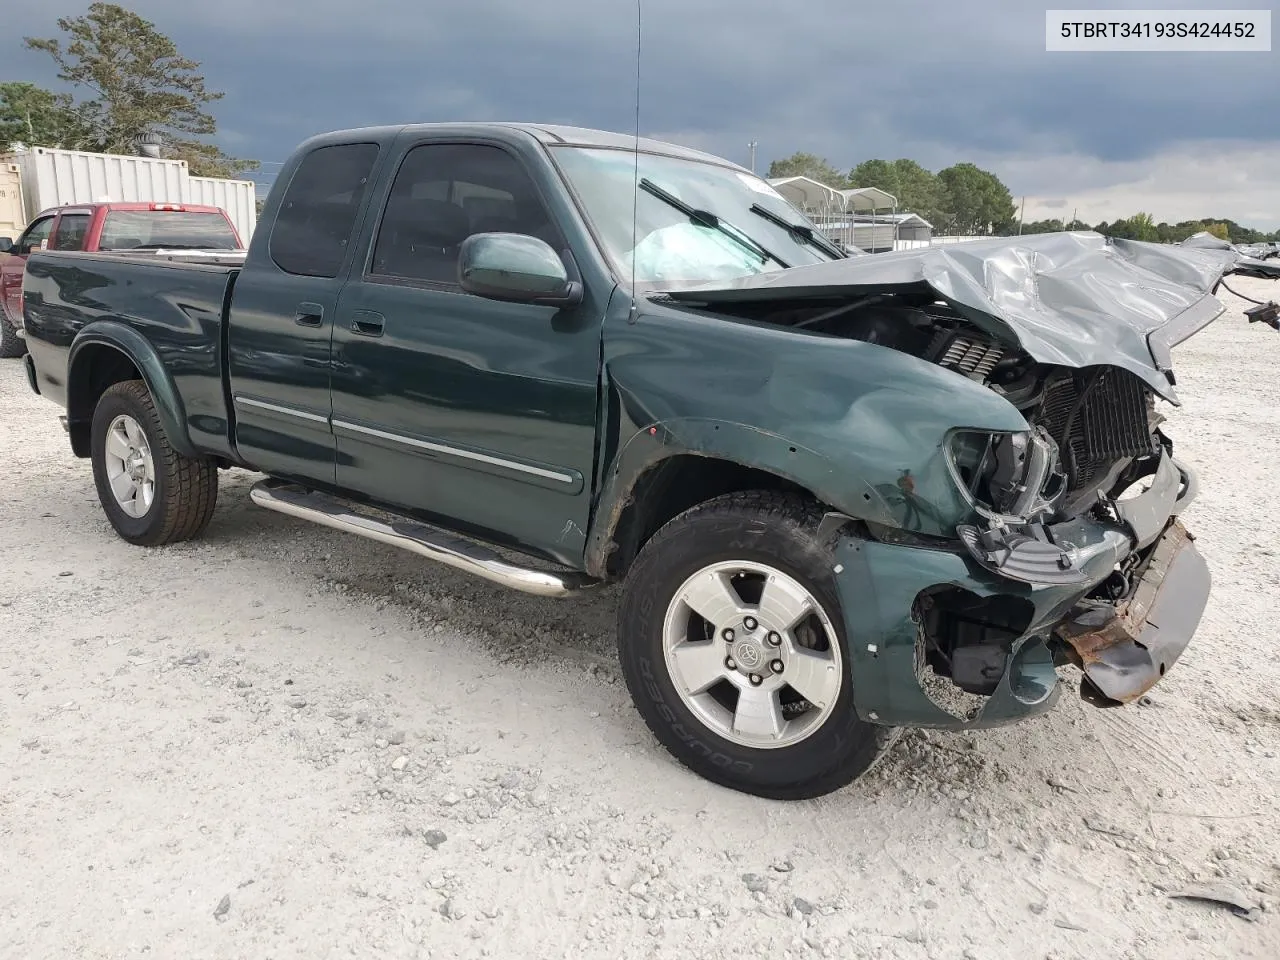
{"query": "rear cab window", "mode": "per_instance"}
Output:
(166, 230)
(317, 217)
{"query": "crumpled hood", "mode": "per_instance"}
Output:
(1076, 299)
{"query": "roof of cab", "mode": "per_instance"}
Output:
(548, 134)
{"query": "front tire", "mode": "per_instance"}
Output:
(733, 647)
(151, 494)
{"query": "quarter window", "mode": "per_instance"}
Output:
(317, 217)
(444, 193)
(72, 229)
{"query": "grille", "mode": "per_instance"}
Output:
(1111, 424)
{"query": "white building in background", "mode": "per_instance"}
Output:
(862, 217)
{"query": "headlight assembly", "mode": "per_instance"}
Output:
(1014, 475)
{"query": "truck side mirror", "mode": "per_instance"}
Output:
(6, 244)
(516, 268)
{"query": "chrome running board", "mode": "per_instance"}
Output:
(446, 548)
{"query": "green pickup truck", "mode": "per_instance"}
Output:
(844, 493)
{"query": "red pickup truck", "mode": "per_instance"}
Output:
(101, 227)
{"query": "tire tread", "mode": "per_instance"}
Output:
(190, 484)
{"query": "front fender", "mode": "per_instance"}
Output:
(82, 391)
(747, 446)
(726, 441)
(860, 426)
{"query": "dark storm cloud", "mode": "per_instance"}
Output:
(939, 81)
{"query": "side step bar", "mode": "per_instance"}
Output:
(451, 550)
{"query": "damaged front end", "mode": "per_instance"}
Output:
(1087, 565)
(1092, 485)
(1125, 645)
(1070, 550)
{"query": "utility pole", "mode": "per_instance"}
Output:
(1020, 213)
(751, 145)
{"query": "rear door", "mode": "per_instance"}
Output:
(282, 313)
(478, 412)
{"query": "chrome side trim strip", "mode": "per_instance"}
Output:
(439, 545)
(277, 408)
(457, 452)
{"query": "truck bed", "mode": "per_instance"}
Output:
(177, 303)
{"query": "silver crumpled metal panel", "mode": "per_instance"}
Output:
(1076, 299)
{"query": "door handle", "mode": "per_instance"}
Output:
(309, 315)
(367, 323)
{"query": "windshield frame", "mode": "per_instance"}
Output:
(622, 273)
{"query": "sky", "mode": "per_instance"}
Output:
(1179, 135)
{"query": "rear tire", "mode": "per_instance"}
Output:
(11, 345)
(715, 689)
(151, 494)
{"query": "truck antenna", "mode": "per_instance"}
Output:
(635, 184)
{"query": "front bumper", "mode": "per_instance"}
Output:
(1124, 646)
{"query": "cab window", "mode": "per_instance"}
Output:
(36, 234)
(71, 230)
(446, 192)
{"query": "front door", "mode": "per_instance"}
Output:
(478, 412)
(35, 238)
(283, 307)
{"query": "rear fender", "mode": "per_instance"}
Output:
(84, 389)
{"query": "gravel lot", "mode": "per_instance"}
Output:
(283, 742)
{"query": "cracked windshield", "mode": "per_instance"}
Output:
(717, 237)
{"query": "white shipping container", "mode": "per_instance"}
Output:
(238, 197)
(52, 178)
(13, 215)
(49, 177)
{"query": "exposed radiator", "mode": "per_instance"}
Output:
(1111, 424)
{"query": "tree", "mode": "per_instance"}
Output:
(37, 117)
(808, 165)
(916, 189)
(977, 202)
(141, 84)
(1220, 231)
(1143, 227)
(1041, 226)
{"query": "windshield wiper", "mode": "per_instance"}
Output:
(801, 231)
(708, 219)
